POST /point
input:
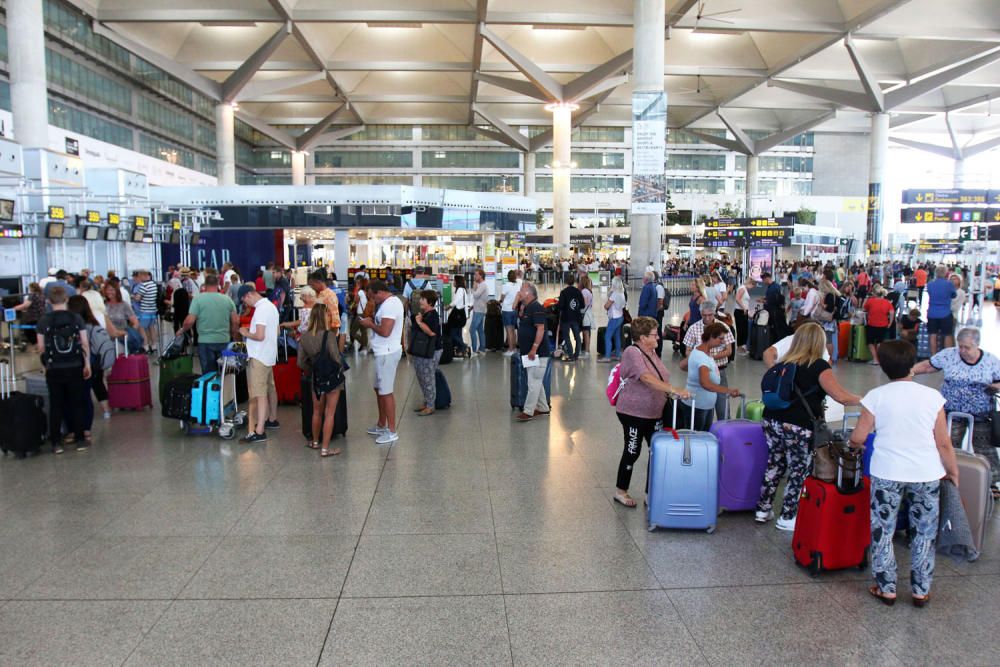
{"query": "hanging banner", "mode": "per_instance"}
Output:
(649, 153)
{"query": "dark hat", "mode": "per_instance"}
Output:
(245, 289)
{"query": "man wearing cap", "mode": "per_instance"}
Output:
(262, 348)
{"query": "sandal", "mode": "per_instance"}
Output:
(312, 445)
(625, 500)
(882, 597)
(426, 411)
(921, 602)
(325, 452)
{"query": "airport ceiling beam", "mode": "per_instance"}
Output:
(902, 120)
(846, 98)
(945, 151)
(953, 136)
(507, 134)
(309, 137)
(278, 135)
(338, 134)
(988, 145)
(899, 96)
(721, 142)
(868, 80)
(748, 146)
(769, 142)
(525, 88)
(477, 56)
(236, 81)
(261, 89)
(543, 81)
(587, 85)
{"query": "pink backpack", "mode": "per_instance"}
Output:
(615, 384)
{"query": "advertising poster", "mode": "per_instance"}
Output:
(490, 269)
(649, 153)
(760, 261)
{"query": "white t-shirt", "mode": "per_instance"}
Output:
(905, 413)
(661, 293)
(743, 298)
(227, 278)
(509, 293)
(362, 301)
(785, 344)
(720, 287)
(391, 308)
(460, 299)
(265, 351)
(812, 300)
(617, 308)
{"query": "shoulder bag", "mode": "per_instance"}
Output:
(421, 345)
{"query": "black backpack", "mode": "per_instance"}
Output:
(327, 374)
(161, 300)
(63, 348)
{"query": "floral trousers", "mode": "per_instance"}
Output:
(924, 506)
(789, 450)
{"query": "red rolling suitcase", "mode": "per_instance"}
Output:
(833, 528)
(287, 378)
(128, 382)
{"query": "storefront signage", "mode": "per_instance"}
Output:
(933, 197)
(943, 214)
(649, 147)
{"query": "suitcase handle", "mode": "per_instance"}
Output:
(743, 407)
(967, 440)
(676, 401)
(6, 379)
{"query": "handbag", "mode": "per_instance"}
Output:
(626, 316)
(421, 345)
(822, 435)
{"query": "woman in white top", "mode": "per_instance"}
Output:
(357, 332)
(461, 304)
(741, 313)
(957, 301)
(615, 307)
(508, 300)
(588, 312)
(912, 453)
(721, 290)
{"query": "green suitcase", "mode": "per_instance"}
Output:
(859, 344)
(172, 368)
(754, 411)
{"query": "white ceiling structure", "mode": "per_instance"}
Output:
(768, 65)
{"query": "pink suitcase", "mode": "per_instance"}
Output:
(742, 461)
(128, 382)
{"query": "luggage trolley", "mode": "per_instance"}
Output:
(232, 360)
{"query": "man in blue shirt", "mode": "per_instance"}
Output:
(940, 292)
(647, 298)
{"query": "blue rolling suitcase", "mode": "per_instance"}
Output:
(442, 398)
(683, 479)
(205, 399)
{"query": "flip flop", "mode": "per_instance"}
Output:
(883, 598)
(329, 452)
(623, 500)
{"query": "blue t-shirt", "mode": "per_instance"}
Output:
(704, 399)
(940, 292)
(964, 386)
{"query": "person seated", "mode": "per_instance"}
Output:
(908, 325)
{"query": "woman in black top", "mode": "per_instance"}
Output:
(325, 393)
(426, 323)
(789, 431)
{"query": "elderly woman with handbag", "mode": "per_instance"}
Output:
(425, 349)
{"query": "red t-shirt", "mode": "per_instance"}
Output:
(878, 310)
(259, 284)
(863, 279)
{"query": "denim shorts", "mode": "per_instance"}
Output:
(509, 318)
(146, 320)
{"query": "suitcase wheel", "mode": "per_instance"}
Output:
(710, 530)
(864, 559)
(652, 527)
(816, 564)
(227, 432)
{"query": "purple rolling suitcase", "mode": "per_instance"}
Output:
(742, 461)
(683, 479)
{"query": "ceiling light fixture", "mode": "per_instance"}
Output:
(395, 25)
(556, 26)
(552, 106)
(228, 24)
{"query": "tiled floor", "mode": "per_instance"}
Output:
(473, 540)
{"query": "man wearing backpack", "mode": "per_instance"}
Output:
(65, 352)
(571, 317)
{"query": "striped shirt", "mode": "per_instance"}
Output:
(146, 297)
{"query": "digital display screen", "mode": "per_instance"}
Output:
(929, 196)
(111, 234)
(6, 210)
(93, 217)
(55, 230)
(176, 224)
(57, 213)
(140, 221)
(138, 235)
(114, 218)
(91, 233)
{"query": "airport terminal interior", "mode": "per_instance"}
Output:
(667, 153)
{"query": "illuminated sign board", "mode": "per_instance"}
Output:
(933, 197)
(114, 218)
(57, 213)
(140, 221)
(743, 223)
(941, 214)
(176, 224)
(93, 217)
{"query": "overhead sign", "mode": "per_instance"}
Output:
(140, 221)
(993, 233)
(649, 147)
(732, 242)
(57, 213)
(973, 233)
(993, 215)
(93, 217)
(932, 197)
(114, 218)
(769, 238)
(952, 214)
(725, 223)
(744, 223)
(939, 246)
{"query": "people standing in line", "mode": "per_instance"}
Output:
(31, 309)
(122, 322)
(720, 354)
(940, 292)
(60, 279)
(971, 376)
(587, 323)
(325, 380)
(741, 314)
(427, 322)
(411, 292)
(301, 324)
(262, 347)
(65, 352)
(826, 312)
(880, 315)
(145, 307)
(913, 455)
(480, 299)
(461, 303)
(694, 303)
(647, 297)
(102, 359)
(789, 431)
(387, 347)
(85, 288)
(327, 297)
(508, 298)
(615, 308)
(920, 282)
(643, 394)
(703, 375)
(215, 316)
(533, 343)
(571, 308)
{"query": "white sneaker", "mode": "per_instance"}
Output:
(377, 430)
(386, 438)
(785, 524)
(763, 517)
(508, 353)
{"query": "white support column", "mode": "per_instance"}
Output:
(225, 142)
(959, 175)
(879, 144)
(562, 128)
(298, 168)
(751, 186)
(26, 52)
(341, 254)
(529, 174)
(648, 34)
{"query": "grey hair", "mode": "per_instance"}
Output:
(707, 307)
(650, 275)
(969, 333)
(530, 287)
(941, 271)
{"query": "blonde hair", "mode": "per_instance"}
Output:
(808, 345)
(317, 319)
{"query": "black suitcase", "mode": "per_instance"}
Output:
(176, 403)
(442, 396)
(493, 327)
(447, 347)
(23, 415)
(601, 337)
(340, 416)
(760, 340)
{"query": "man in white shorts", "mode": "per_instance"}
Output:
(387, 347)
